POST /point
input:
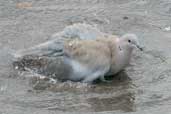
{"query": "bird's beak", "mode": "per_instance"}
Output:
(140, 47)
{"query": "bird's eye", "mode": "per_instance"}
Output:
(129, 41)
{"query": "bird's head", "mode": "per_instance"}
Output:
(131, 40)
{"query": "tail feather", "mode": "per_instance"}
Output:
(49, 49)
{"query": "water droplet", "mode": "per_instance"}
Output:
(16, 67)
(168, 28)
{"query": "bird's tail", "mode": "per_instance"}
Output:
(37, 56)
(48, 49)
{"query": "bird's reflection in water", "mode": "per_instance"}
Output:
(116, 95)
(123, 102)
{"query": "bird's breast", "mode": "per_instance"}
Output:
(119, 61)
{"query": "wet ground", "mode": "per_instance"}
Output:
(144, 87)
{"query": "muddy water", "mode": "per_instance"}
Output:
(144, 87)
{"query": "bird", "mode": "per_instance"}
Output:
(86, 60)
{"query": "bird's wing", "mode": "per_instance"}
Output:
(90, 53)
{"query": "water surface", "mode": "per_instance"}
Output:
(144, 87)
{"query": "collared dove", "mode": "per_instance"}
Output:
(87, 60)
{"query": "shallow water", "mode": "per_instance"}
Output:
(144, 87)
